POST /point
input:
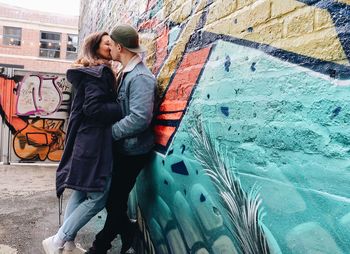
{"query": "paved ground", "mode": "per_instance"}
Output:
(29, 210)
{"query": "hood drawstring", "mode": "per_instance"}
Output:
(60, 201)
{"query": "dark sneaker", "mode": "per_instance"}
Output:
(128, 237)
(93, 250)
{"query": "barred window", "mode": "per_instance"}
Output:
(12, 36)
(50, 44)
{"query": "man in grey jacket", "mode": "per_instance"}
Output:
(132, 134)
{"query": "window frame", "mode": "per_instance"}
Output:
(12, 36)
(50, 41)
(76, 47)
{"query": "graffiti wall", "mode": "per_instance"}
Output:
(35, 111)
(253, 133)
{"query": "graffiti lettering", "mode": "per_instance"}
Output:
(41, 139)
(36, 139)
(42, 95)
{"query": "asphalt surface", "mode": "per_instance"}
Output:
(29, 210)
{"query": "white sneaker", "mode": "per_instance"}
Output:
(50, 247)
(68, 248)
(79, 249)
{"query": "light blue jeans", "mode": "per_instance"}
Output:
(81, 207)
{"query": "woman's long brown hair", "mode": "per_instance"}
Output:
(88, 53)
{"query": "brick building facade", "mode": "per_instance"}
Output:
(28, 37)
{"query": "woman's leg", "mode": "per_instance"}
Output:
(74, 207)
(94, 203)
(75, 199)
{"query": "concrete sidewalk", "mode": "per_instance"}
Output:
(29, 210)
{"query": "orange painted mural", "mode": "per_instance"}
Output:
(35, 111)
(41, 139)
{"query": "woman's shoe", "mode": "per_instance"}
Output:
(69, 246)
(72, 248)
(50, 247)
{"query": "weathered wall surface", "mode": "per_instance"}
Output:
(269, 80)
(35, 112)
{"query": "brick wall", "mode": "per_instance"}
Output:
(11, 12)
(27, 54)
(268, 81)
(39, 64)
(32, 22)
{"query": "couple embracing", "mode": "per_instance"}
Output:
(109, 139)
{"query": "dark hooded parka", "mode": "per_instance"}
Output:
(86, 163)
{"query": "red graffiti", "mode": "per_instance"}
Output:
(7, 105)
(161, 48)
(178, 95)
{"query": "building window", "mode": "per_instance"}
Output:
(12, 36)
(72, 46)
(50, 44)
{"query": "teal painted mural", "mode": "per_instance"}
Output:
(283, 131)
(252, 151)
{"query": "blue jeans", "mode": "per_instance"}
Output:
(81, 207)
(124, 177)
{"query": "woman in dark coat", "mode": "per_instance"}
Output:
(86, 164)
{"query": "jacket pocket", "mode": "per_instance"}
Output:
(123, 102)
(131, 142)
(87, 143)
(121, 96)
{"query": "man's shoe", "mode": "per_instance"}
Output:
(50, 247)
(128, 237)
